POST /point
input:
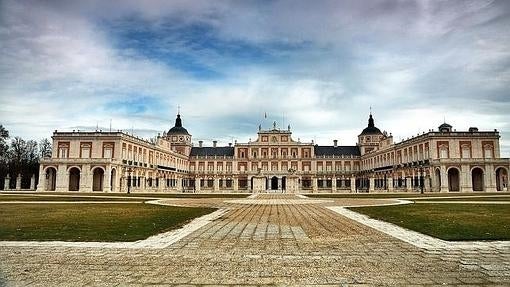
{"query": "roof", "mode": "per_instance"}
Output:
(338, 150)
(178, 129)
(212, 151)
(371, 128)
(371, 131)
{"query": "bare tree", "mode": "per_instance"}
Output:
(4, 134)
(45, 148)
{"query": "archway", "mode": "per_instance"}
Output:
(438, 179)
(453, 179)
(477, 179)
(97, 179)
(501, 179)
(74, 179)
(51, 179)
(274, 183)
(113, 179)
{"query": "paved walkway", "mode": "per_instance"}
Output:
(279, 242)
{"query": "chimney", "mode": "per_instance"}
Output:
(200, 143)
(214, 143)
(335, 143)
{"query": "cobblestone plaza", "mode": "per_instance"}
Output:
(265, 239)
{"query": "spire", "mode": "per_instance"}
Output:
(371, 121)
(178, 121)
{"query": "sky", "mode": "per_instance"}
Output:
(317, 66)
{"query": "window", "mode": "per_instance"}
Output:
(466, 151)
(63, 150)
(85, 150)
(108, 150)
(487, 151)
(443, 152)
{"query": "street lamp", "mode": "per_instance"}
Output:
(421, 179)
(129, 180)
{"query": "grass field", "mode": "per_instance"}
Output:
(454, 222)
(91, 222)
(399, 195)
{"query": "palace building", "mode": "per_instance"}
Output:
(443, 160)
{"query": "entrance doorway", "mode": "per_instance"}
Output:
(97, 179)
(74, 179)
(51, 179)
(274, 183)
(477, 179)
(453, 179)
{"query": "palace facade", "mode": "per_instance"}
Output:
(443, 160)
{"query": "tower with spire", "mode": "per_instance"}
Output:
(179, 137)
(370, 137)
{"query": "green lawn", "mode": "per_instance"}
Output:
(91, 222)
(454, 222)
(398, 195)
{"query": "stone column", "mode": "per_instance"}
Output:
(465, 179)
(85, 178)
(7, 182)
(198, 181)
(235, 183)
(18, 182)
(389, 183)
(107, 187)
(409, 184)
(32, 182)
(490, 181)
(161, 183)
(314, 184)
(42, 182)
(426, 183)
(353, 184)
(371, 183)
(444, 179)
(62, 179)
(333, 184)
(179, 184)
(216, 184)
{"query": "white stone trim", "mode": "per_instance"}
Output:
(412, 237)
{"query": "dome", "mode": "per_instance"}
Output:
(371, 129)
(445, 128)
(178, 129)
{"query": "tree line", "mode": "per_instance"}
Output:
(20, 156)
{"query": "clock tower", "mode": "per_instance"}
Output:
(179, 137)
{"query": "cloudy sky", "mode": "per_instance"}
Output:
(316, 65)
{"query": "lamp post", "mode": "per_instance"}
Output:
(129, 180)
(421, 179)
